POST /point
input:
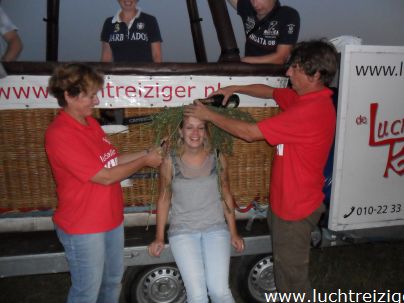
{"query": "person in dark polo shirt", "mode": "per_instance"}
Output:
(131, 36)
(271, 30)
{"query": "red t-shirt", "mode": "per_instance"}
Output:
(303, 132)
(76, 153)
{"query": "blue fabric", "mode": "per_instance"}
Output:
(95, 264)
(203, 259)
(328, 170)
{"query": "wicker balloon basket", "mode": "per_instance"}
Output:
(26, 181)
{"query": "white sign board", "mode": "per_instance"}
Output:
(19, 92)
(368, 174)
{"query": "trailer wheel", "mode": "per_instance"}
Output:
(257, 278)
(158, 284)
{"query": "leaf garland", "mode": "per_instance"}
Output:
(165, 124)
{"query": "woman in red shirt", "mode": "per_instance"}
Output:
(88, 169)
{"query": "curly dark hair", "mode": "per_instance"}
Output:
(73, 78)
(316, 55)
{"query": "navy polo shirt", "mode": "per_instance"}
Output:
(281, 26)
(131, 44)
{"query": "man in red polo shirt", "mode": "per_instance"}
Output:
(303, 134)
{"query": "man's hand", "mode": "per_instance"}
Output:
(197, 110)
(226, 91)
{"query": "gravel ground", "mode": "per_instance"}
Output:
(360, 267)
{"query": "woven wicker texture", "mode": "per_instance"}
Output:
(25, 176)
(26, 181)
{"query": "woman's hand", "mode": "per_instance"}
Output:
(238, 243)
(156, 247)
(154, 157)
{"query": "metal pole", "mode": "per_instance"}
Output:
(197, 36)
(224, 30)
(52, 30)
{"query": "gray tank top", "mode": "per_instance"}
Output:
(195, 204)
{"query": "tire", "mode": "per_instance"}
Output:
(257, 278)
(158, 284)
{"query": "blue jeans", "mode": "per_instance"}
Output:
(203, 259)
(95, 264)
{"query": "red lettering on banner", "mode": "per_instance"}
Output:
(151, 91)
(180, 91)
(388, 133)
(130, 92)
(22, 92)
(210, 89)
(148, 93)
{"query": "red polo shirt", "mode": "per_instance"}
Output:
(76, 153)
(303, 132)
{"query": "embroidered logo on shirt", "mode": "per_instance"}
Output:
(109, 158)
(111, 163)
(271, 30)
(139, 36)
(291, 28)
(140, 25)
(107, 155)
(116, 27)
(262, 41)
(249, 24)
(116, 37)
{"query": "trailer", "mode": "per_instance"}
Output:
(364, 174)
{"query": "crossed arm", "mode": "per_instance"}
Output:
(14, 46)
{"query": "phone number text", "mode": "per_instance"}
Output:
(374, 210)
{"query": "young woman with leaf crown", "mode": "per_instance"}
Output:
(194, 188)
